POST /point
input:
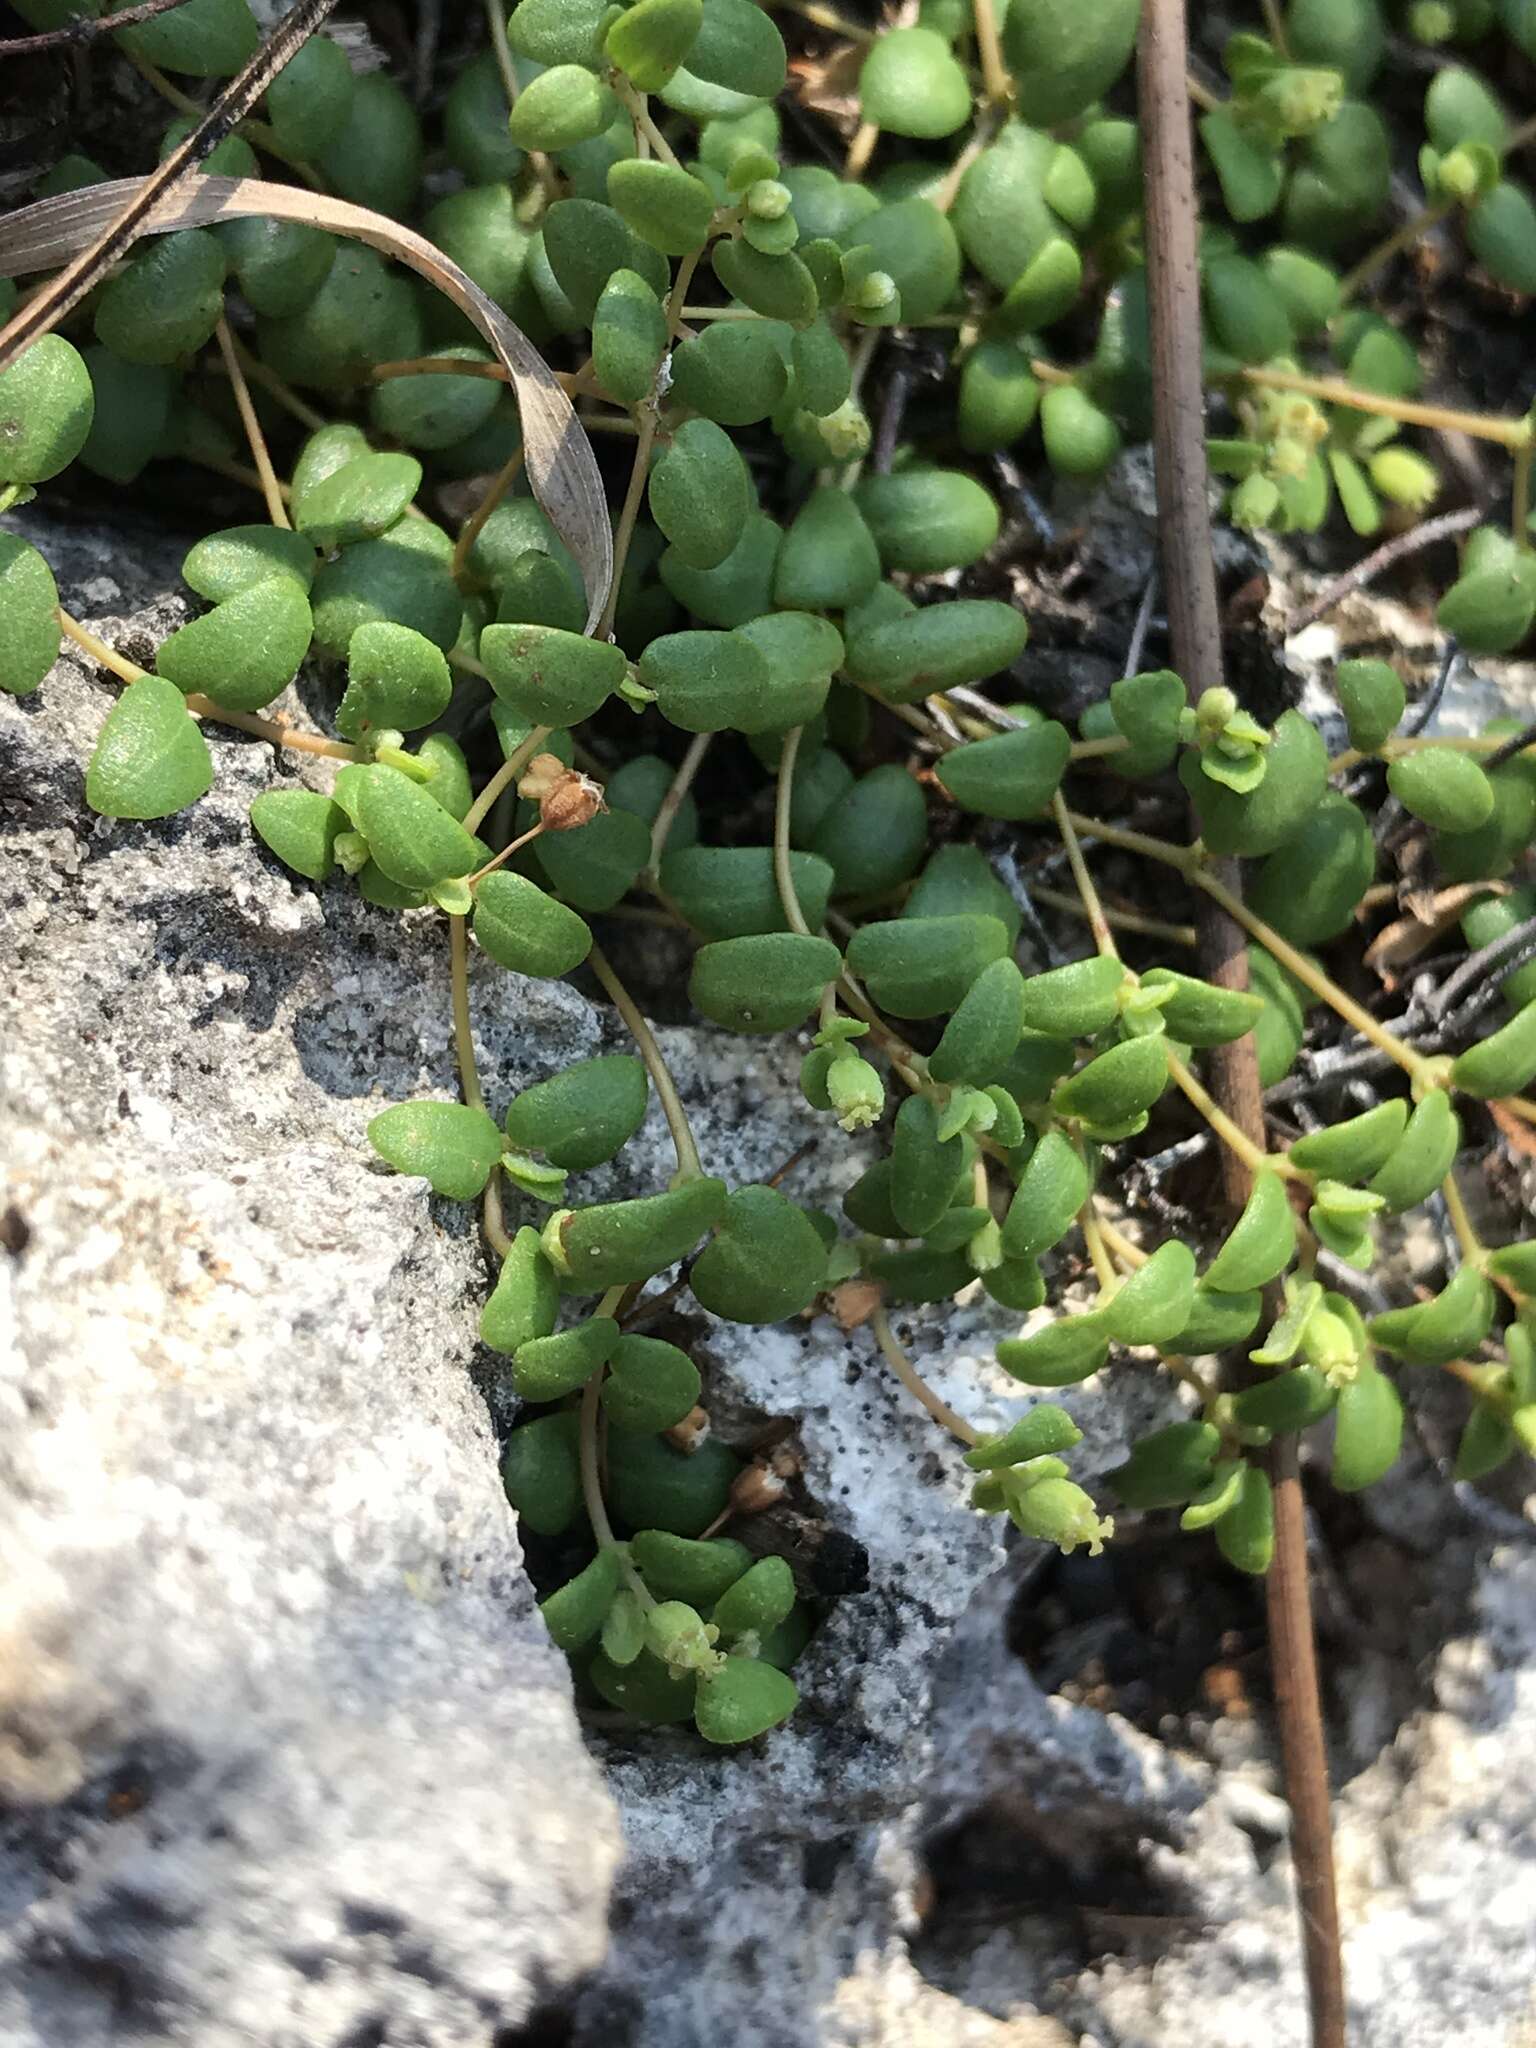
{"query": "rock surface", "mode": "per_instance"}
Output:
(288, 1756)
(293, 1764)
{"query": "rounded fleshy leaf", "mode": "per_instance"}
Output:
(151, 758)
(449, 1144)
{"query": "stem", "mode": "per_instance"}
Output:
(496, 23)
(497, 489)
(1125, 1251)
(506, 776)
(1274, 27)
(1473, 1250)
(1253, 1156)
(1189, 580)
(1121, 920)
(1403, 238)
(994, 72)
(1520, 497)
(271, 490)
(1098, 1249)
(672, 802)
(1093, 910)
(256, 372)
(639, 112)
(783, 873)
(591, 1474)
(1509, 433)
(897, 1359)
(506, 853)
(689, 1165)
(463, 1030)
(982, 134)
(860, 150)
(204, 707)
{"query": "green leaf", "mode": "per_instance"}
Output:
(151, 758)
(1039, 1432)
(1081, 439)
(1065, 54)
(650, 1386)
(764, 1263)
(206, 38)
(731, 892)
(651, 40)
(911, 657)
(984, 1031)
(584, 1114)
(526, 1298)
(700, 493)
(549, 1368)
(1368, 1430)
(1295, 777)
(1052, 1188)
(1061, 1354)
(679, 1568)
(562, 106)
(597, 864)
(548, 676)
(1245, 1534)
(166, 300)
(224, 564)
(1168, 1467)
(1355, 1149)
(919, 967)
(409, 834)
(629, 336)
(310, 97)
(452, 1146)
(613, 1243)
(359, 501)
(246, 650)
(396, 680)
(738, 589)
(1260, 1244)
(47, 404)
(1423, 1156)
(575, 1612)
(300, 827)
(1372, 698)
(1013, 776)
(524, 929)
(1154, 1304)
(761, 984)
(29, 621)
(1116, 1085)
(540, 1473)
(1200, 1014)
(927, 520)
(742, 1700)
(666, 206)
(911, 84)
(1443, 786)
(1310, 889)
(876, 833)
(1076, 1001)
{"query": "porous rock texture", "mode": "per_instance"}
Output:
(287, 1756)
(290, 1761)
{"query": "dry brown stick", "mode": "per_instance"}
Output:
(1398, 549)
(1195, 630)
(44, 312)
(84, 28)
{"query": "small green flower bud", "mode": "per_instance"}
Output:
(1254, 503)
(351, 850)
(1056, 1510)
(769, 200)
(681, 1638)
(872, 293)
(855, 1090)
(1405, 477)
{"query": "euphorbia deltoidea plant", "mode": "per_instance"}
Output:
(831, 609)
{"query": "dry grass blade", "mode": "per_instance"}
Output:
(561, 466)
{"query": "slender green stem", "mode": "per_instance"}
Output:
(638, 109)
(900, 1364)
(672, 802)
(589, 1454)
(1093, 910)
(271, 490)
(1520, 497)
(783, 873)
(1473, 1250)
(994, 72)
(1098, 1248)
(463, 1030)
(204, 707)
(506, 776)
(496, 23)
(1509, 433)
(1405, 237)
(689, 1165)
(1254, 1157)
(506, 853)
